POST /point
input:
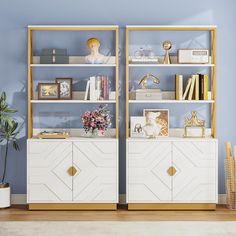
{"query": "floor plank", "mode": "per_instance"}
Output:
(21, 213)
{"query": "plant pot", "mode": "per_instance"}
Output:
(5, 193)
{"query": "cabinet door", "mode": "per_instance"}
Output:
(96, 179)
(48, 177)
(196, 176)
(147, 165)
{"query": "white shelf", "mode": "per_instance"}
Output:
(173, 138)
(173, 101)
(72, 101)
(206, 27)
(170, 65)
(73, 65)
(72, 26)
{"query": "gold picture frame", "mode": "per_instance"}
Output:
(48, 91)
(162, 120)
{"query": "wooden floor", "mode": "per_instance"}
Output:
(21, 213)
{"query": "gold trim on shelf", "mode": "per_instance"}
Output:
(36, 28)
(171, 171)
(72, 171)
(172, 206)
(73, 206)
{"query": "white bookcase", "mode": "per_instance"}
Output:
(172, 172)
(78, 172)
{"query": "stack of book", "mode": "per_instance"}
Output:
(196, 87)
(97, 88)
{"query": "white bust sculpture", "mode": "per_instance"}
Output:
(95, 57)
(152, 128)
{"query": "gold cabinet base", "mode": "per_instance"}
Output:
(171, 206)
(73, 206)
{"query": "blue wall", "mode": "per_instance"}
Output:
(15, 15)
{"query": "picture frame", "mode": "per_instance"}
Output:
(136, 126)
(48, 91)
(157, 122)
(65, 88)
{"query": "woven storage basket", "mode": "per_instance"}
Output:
(230, 182)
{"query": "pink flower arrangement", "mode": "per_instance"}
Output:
(96, 121)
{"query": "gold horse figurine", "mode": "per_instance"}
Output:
(143, 81)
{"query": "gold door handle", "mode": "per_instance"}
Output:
(72, 171)
(171, 171)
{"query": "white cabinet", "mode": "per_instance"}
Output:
(96, 177)
(47, 177)
(172, 171)
(72, 171)
(147, 178)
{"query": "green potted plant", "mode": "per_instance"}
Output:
(8, 133)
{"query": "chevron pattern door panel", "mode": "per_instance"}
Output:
(147, 177)
(196, 176)
(96, 179)
(48, 177)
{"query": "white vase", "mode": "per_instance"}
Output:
(5, 193)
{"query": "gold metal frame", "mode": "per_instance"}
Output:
(71, 171)
(73, 206)
(33, 28)
(213, 37)
(171, 206)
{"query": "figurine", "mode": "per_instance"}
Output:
(167, 46)
(143, 81)
(152, 128)
(192, 122)
(95, 57)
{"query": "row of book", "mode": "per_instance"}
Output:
(97, 88)
(196, 87)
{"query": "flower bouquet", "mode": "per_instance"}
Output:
(97, 121)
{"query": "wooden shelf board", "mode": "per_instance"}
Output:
(173, 101)
(72, 101)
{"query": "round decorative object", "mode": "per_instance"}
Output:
(167, 45)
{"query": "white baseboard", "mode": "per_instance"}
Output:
(222, 199)
(20, 199)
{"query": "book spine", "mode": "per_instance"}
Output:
(86, 91)
(107, 88)
(98, 88)
(196, 87)
(205, 89)
(190, 95)
(177, 97)
(187, 88)
(201, 86)
(178, 87)
(102, 87)
(92, 96)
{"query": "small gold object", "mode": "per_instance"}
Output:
(194, 122)
(143, 81)
(53, 135)
(171, 171)
(167, 45)
(72, 171)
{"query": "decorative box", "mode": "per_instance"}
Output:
(148, 94)
(54, 56)
(54, 51)
(192, 56)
